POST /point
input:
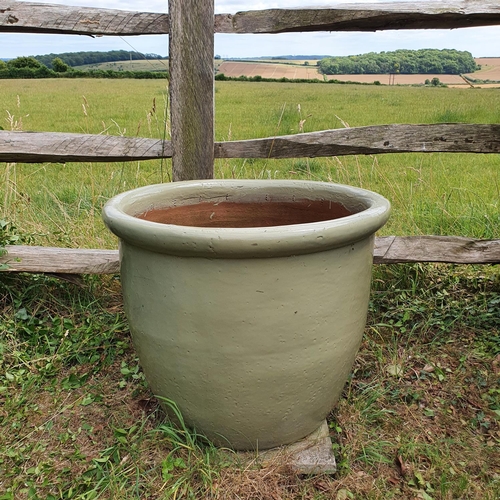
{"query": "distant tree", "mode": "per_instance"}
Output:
(24, 62)
(452, 67)
(94, 57)
(59, 66)
(401, 61)
(435, 82)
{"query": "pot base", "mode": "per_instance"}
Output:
(310, 455)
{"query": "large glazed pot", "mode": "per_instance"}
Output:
(247, 299)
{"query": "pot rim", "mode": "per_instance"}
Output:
(119, 214)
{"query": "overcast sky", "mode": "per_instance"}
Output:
(479, 41)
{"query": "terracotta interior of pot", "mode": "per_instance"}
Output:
(256, 214)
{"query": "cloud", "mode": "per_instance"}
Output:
(221, 6)
(139, 5)
(479, 41)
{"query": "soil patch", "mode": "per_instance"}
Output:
(263, 214)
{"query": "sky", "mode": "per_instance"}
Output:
(481, 42)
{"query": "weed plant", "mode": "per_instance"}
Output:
(419, 415)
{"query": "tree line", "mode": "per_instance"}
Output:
(29, 67)
(423, 61)
(89, 57)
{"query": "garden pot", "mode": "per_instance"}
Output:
(246, 299)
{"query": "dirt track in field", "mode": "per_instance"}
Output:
(490, 69)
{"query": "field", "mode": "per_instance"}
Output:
(490, 69)
(296, 69)
(136, 65)
(279, 70)
(269, 70)
(419, 416)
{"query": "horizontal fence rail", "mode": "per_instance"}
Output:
(38, 259)
(377, 139)
(388, 250)
(59, 147)
(367, 17)
(446, 249)
(27, 17)
(38, 147)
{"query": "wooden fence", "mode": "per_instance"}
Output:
(191, 24)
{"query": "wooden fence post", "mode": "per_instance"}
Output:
(191, 61)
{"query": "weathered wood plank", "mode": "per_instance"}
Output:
(33, 259)
(388, 250)
(368, 17)
(191, 49)
(27, 17)
(451, 138)
(39, 147)
(449, 249)
(57, 147)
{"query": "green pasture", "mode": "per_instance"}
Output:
(431, 193)
(419, 416)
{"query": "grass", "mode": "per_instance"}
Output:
(135, 65)
(431, 193)
(419, 417)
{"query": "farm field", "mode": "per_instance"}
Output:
(277, 70)
(293, 69)
(136, 65)
(269, 70)
(419, 417)
(490, 69)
